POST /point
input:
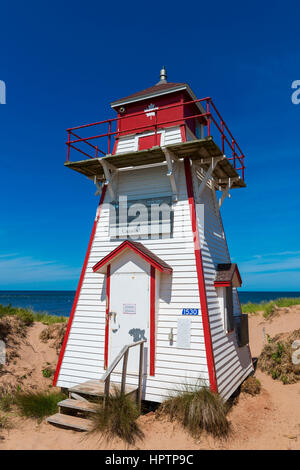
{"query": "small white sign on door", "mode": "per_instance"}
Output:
(129, 308)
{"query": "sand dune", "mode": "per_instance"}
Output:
(270, 420)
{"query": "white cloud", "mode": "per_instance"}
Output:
(279, 270)
(16, 269)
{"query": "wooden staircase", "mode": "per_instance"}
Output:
(75, 412)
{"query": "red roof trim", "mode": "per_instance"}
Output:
(137, 248)
(225, 277)
(238, 275)
(148, 92)
(222, 284)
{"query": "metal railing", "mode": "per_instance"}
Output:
(104, 135)
(123, 354)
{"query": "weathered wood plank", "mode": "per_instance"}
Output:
(97, 388)
(195, 150)
(70, 422)
(77, 405)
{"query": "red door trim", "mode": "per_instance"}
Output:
(201, 280)
(107, 317)
(152, 320)
(62, 351)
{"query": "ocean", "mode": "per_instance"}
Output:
(60, 302)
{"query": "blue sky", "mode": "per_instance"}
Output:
(63, 62)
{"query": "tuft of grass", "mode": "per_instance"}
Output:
(268, 308)
(55, 332)
(28, 316)
(38, 404)
(47, 372)
(6, 400)
(117, 418)
(198, 409)
(4, 422)
(251, 385)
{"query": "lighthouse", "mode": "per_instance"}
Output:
(157, 305)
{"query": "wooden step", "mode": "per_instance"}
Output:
(77, 405)
(96, 388)
(70, 422)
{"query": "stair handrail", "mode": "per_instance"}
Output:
(123, 354)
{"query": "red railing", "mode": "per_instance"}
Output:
(111, 130)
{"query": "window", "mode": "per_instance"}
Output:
(141, 218)
(225, 297)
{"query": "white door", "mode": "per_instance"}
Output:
(129, 316)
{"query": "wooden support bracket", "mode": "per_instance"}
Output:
(209, 174)
(225, 192)
(98, 183)
(109, 171)
(172, 162)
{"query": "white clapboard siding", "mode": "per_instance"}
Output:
(174, 367)
(172, 135)
(232, 363)
(130, 143)
(84, 355)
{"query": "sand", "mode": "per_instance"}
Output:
(270, 420)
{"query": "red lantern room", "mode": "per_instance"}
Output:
(156, 115)
(154, 119)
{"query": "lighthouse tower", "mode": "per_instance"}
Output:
(157, 305)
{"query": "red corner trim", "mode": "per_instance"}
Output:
(152, 321)
(107, 317)
(183, 133)
(62, 351)
(201, 280)
(238, 275)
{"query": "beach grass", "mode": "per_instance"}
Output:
(38, 404)
(276, 358)
(198, 409)
(28, 316)
(117, 418)
(4, 422)
(269, 307)
(6, 400)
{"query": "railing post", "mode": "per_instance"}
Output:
(222, 128)
(233, 146)
(207, 117)
(96, 153)
(155, 137)
(69, 138)
(243, 168)
(109, 136)
(140, 385)
(124, 371)
(106, 388)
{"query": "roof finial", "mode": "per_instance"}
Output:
(163, 75)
